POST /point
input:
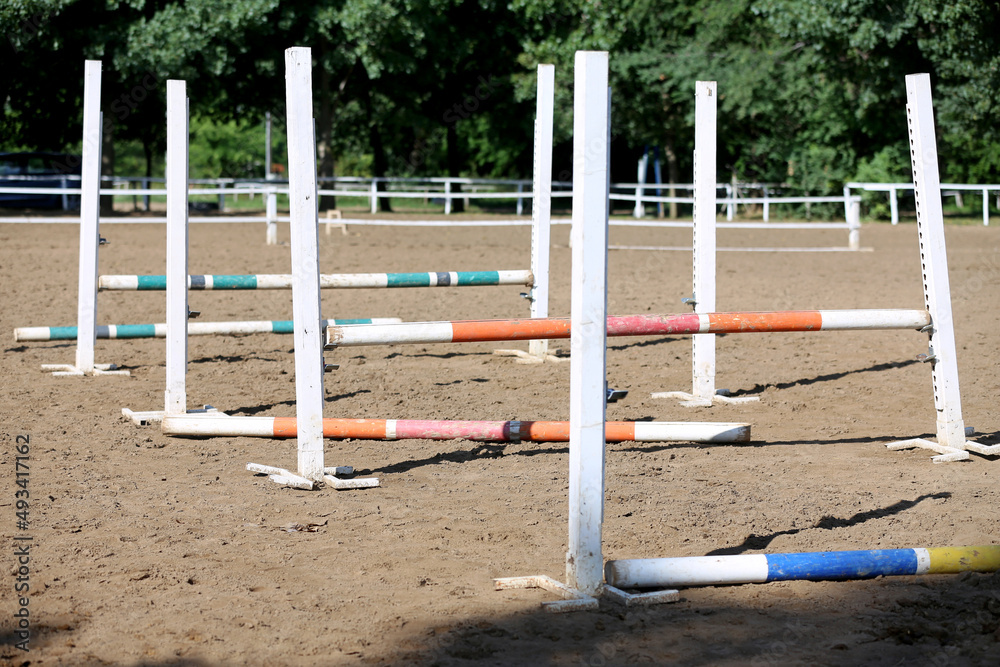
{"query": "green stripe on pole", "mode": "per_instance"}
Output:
(408, 280)
(62, 333)
(234, 282)
(283, 326)
(478, 278)
(363, 320)
(135, 331)
(158, 283)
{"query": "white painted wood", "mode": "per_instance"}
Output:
(90, 210)
(271, 208)
(584, 561)
(934, 260)
(541, 207)
(690, 571)
(175, 402)
(703, 347)
(643, 166)
(305, 262)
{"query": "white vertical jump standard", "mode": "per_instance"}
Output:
(951, 444)
(541, 214)
(588, 314)
(178, 133)
(704, 393)
(177, 247)
(588, 344)
(304, 229)
(90, 205)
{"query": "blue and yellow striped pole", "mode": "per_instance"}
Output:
(816, 566)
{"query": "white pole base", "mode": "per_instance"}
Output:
(627, 599)
(156, 416)
(574, 600)
(945, 454)
(986, 450)
(329, 476)
(281, 476)
(529, 358)
(691, 401)
(948, 454)
(67, 370)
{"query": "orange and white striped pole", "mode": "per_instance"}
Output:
(427, 429)
(473, 331)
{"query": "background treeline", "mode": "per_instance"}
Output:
(811, 91)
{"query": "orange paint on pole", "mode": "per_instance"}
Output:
(375, 429)
(804, 320)
(498, 330)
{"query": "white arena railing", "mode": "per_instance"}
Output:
(947, 190)
(448, 189)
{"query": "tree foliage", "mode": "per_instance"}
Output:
(811, 91)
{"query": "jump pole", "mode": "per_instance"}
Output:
(90, 204)
(326, 281)
(541, 214)
(421, 429)
(817, 566)
(159, 329)
(703, 300)
(480, 331)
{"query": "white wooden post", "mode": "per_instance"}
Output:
(639, 210)
(951, 443)
(704, 238)
(447, 197)
(703, 391)
(90, 211)
(854, 223)
(541, 205)
(893, 206)
(520, 199)
(658, 175)
(934, 261)
(373, 196)
(267, 146)
(584, 560)
(305, 262)
(177, 247)
(271, 207)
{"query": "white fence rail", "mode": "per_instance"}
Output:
(447, 190)
(947, 190)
